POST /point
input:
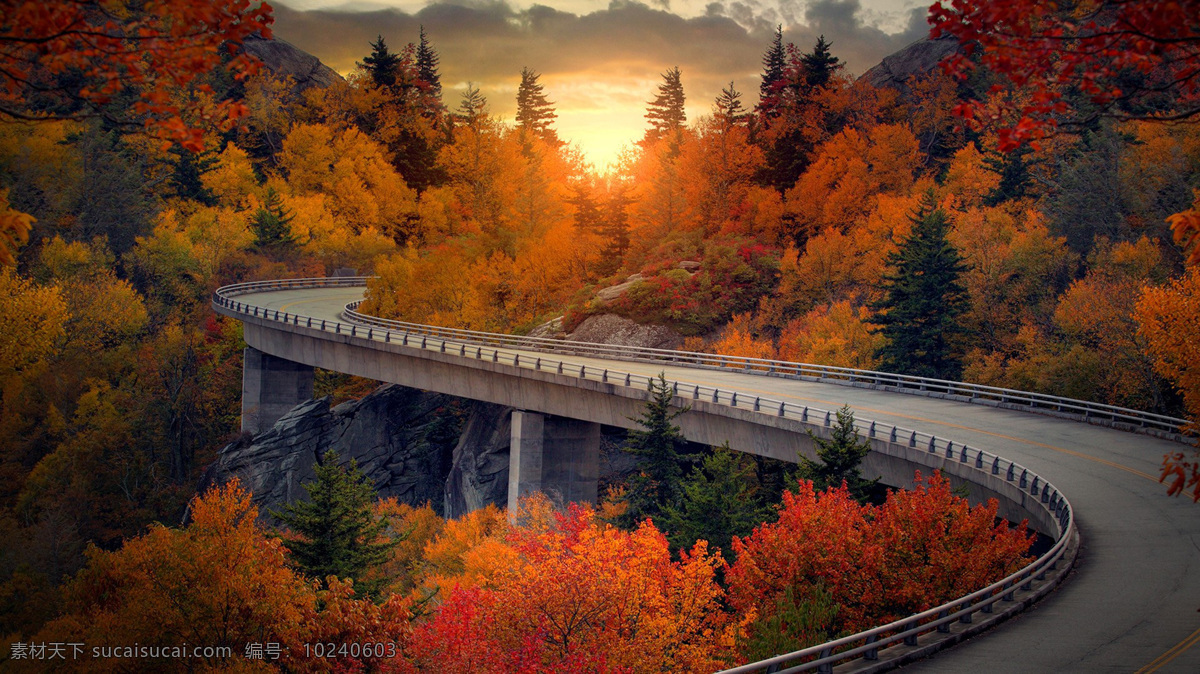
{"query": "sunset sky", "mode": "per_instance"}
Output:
(600, 62)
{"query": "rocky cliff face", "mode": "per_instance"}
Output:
(403, 440)
(479, 465)
(918, 58)
(284, 60)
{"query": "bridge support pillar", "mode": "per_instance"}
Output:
(271, 386)
(555, 455)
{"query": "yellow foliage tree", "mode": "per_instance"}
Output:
(352, 170)
(1169, 320)
(839, 334)
(737, 339)
(232, 180)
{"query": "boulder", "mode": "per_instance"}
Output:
(613, 292)
(613, 329)
(551, 329)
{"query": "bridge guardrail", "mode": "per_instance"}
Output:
(1162, 425)
(866, 644)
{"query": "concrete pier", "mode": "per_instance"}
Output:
(554, 455)
(271, 386)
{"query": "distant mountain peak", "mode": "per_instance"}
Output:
(282, 58)
(918, 58)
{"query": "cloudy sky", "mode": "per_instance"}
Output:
(600, 61)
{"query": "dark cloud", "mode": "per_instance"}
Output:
(610, 57)
(491, 41)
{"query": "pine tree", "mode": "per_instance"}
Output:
(616, 227)
(820, 64)
(427, 68)
(472, 108)
(337, 527)
(535, 114)
(1013, 168)
(382, 65)
(665, 112)
(728, 110)
(838, 458)
(774, 62)
(922, 300)
(271, 223)
(186, 171)
(659, 460)
(719, 501)
(588, 217)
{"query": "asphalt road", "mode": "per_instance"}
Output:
(1132, 602)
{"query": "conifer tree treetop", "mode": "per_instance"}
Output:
(820, 64)
(427, 66)
(381, 64)
(339, 532)
(666, 112)
(535, 114)
(923, 299)
(774, 61)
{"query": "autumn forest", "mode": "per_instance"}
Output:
(983, 222)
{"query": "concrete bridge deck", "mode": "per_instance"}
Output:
(1133, 602)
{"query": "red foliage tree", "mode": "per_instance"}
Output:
(1126, 57)
(921, 548)
(70, 59)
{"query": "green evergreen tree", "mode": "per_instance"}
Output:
(588, 217)
(838, 458)
(820, 64)
(616, 226)
(665, 112)
(338, 530)
(774, 64)
(727, 109)
(719, 501)
(186, 171)
(795, 624)
(427, 68)
(1013, 169)
(660, 462)
(382, 65)
(473, 107)
(922, 300)
(272, 224)
(535, 113)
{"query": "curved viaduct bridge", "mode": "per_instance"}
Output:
(1133, 553)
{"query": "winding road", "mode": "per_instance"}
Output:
(1132, 602)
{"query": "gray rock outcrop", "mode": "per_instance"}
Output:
(403, 440)
(917, 59)
(611, 293)
(613, 329)
(479, 467)
(285, 60)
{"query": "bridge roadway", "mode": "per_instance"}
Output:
(1132, 602)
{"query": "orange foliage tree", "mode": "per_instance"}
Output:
(1169, 320)
(222, 581)
(74, 59)
(848, 172)
(583, 596)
